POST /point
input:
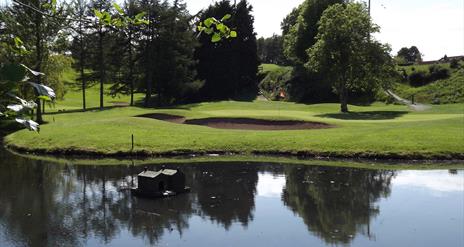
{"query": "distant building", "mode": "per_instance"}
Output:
(444, 59)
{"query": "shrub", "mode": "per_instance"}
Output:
(438, 72)
(418, 78)
(454, 64)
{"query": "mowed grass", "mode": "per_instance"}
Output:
(378, 130)
(73, 98)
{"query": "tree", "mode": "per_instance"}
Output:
(101, 49)
(345, 54)
(290, 20)
(37, 22)
(79, 48)
(270, 50)
(409, 55)
(174, 64)
(301, 30)
(229, 67)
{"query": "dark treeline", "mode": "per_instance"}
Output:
(229, 68)
(165, 58)
(271, 50)
(168, 60)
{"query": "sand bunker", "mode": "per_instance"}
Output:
(241, 123)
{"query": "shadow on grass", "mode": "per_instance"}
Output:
(90, 109)
(368, 115)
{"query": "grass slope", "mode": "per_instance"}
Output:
(375, 131)
(273, 77)
(73, 98)
(445, 91)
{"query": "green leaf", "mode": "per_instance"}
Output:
(233, 34)
(18, 42)
(208, 31)
(226, 17)
(43, 97)
(216, 37)
(208, 22)
(98, 14)
(140, 15)
(118, 8)
(221, 27)
(53, 6)
(12, 72)
(107, 18)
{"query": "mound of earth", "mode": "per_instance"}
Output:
(241, 123)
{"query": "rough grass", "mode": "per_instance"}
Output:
(374, 131)
(445, 91)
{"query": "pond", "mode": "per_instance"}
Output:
(230, 204)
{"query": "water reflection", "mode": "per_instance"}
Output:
(43, 204)
(336, 203)
(440, 181)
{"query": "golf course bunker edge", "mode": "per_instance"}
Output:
(241, 123)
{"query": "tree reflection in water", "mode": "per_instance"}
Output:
(336, 203)
(44, 204)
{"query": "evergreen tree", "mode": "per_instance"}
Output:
(229, 67)
(270, 50)
(100, 47)
(79, 47)
(165, 47)
(147, 48)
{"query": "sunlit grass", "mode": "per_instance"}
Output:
(377, 130)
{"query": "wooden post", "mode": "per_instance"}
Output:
(132, 149)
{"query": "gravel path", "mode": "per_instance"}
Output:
(414, 107)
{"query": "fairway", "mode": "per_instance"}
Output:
(376, 131)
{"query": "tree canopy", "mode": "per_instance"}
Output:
(300, 28)
(229, 68)
(410, 55)
(344, 52)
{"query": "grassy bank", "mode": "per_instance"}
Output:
(377, 131)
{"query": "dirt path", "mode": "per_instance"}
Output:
(414, 107)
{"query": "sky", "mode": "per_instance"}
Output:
(436, 27)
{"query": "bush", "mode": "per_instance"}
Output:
(454, 64)
(437, 73)
(418, 78)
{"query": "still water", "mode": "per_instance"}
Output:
(231, 204)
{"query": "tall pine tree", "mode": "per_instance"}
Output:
(229, 67)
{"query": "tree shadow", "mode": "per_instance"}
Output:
(89, 109)
(368, 115)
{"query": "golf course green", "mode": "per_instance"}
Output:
(375, 131)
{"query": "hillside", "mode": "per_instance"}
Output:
(443, 91)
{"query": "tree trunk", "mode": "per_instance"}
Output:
(102, 65)
(343, 98)
(131, 70)
(148, 91)
(81, 57)
(38, 67)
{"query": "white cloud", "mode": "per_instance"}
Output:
(270, 185)
(439, 181)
